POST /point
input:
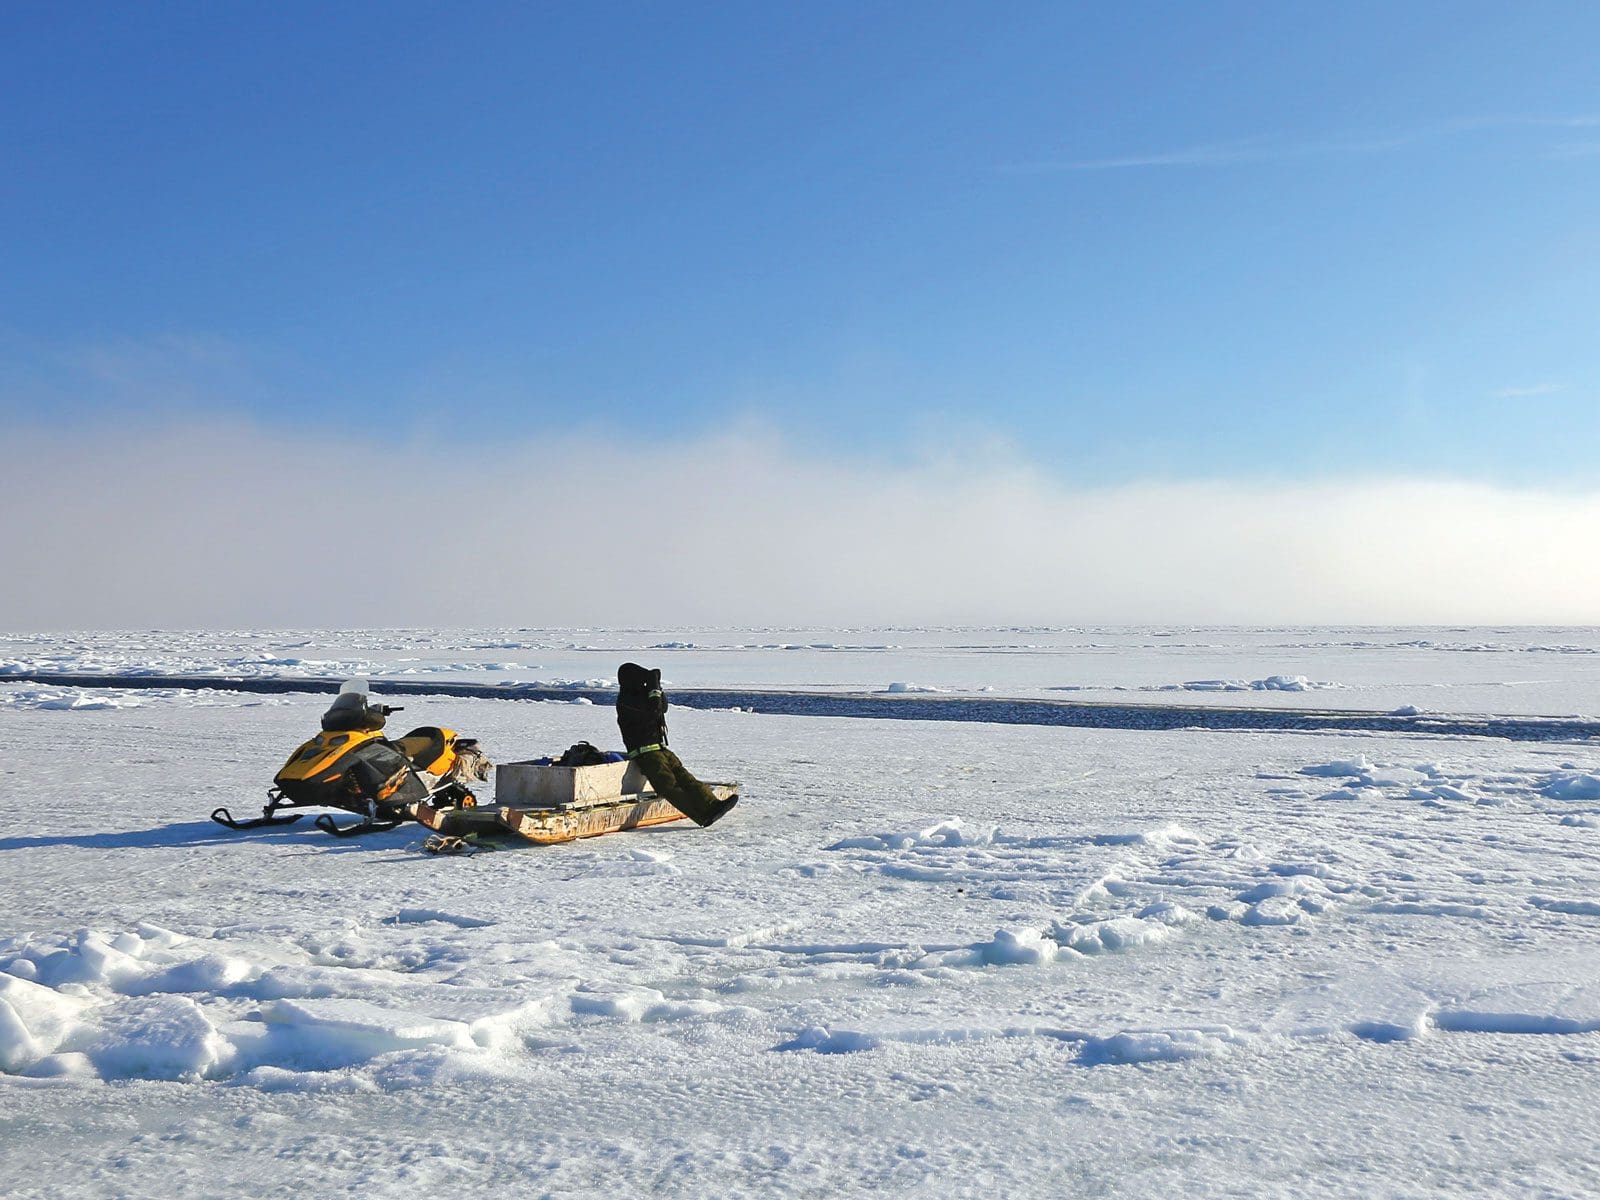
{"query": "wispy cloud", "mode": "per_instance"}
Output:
(163, 373)
(215, 526)
(1262, 150)
(1575, 150)
(1217, 154)
(1529, 391)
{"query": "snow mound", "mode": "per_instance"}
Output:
(1121, 933)
(59, 699)
(1157, 1045)
(1572, 785)
(1272, 683)
(1339, 768)
(640, 1004)
(1576, 908)
(1160, 839)
(1439, 785)
(1070, 939)
(823, 1041)
(69, 699)
(1367, 795)
(950, 832)
(151, 1004)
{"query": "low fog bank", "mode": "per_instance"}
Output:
(234, 527)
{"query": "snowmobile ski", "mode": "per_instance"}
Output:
(327, 824)
(275, 801)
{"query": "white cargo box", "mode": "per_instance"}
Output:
(534, 785)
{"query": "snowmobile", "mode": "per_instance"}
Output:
(350, 765)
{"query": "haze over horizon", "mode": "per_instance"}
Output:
(836, 313)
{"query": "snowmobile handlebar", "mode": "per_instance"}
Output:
(386, 709)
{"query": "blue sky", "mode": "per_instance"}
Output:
(1142, 241)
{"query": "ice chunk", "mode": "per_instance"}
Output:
(500, 1031)
(210, 973)
(1119, 933)
(163, 1037)
(36, 1021)
(1016, 947)
(424, 916)
(89, 959)
(17, 1046)
(344, 1025)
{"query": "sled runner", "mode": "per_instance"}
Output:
(547, 826)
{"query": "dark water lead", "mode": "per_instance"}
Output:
(882, 706)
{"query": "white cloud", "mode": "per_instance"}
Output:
(1528, 392)
(227, 527)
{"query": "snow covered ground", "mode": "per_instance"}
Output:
(1551, 672)
(934, 959)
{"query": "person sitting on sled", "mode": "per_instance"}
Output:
(642, 717)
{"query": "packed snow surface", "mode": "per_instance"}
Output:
(932, 959)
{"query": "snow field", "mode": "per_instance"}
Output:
(1507, 671)
(918, 959)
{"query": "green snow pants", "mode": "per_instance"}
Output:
(673, 783)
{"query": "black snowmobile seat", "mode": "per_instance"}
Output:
(424, 746)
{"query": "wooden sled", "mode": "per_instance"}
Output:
(568, 823)
(548, 804)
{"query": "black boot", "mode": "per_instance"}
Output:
(719, 810)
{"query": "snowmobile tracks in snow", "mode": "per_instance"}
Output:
(881, 706)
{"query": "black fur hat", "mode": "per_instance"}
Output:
(632, 675)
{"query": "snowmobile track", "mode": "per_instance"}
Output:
(1069, 713)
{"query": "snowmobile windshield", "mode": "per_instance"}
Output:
(352, 710)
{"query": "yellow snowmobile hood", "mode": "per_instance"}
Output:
(317, 760)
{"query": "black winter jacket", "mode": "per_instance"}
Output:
(641, 707)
